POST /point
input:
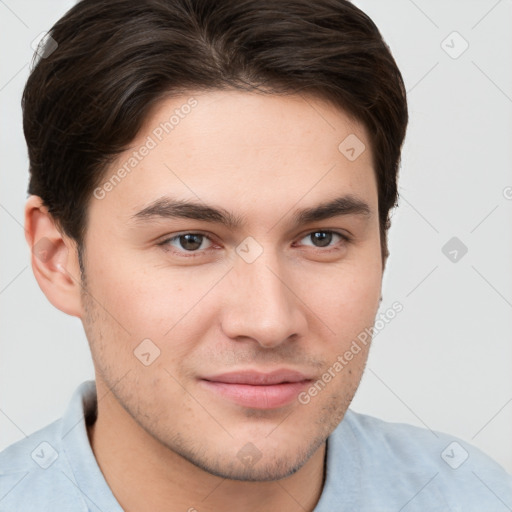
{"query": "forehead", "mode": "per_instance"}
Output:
(241, 121)
(243, 149)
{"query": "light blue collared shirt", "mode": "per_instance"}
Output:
(371, 466)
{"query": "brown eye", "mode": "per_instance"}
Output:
(325, 238)
(186, 243)
(191, 241)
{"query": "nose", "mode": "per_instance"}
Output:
(263, 303)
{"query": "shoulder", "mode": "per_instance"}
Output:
(416, 446)
(35, 473)
(397, 460)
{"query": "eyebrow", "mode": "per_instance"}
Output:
(169, 208)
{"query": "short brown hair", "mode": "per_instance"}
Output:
(86, 101)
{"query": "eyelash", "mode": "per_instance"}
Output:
(196, 254)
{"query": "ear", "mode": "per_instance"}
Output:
(54, 259)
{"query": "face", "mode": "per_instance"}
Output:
(214, 324)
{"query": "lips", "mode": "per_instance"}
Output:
(255, 378)
(258, 390)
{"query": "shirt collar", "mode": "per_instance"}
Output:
(87, 475)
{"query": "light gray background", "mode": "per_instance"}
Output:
(445, 361)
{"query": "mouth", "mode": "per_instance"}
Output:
(258, 390)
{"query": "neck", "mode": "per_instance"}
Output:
(145, 475)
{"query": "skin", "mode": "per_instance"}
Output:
(162, 440)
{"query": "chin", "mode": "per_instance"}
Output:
(259, 472)
(253, 465)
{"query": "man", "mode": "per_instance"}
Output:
(210, 190)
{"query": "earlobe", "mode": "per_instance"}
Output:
(54, 258)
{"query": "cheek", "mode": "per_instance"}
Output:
(153, 301)
(348, 298)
